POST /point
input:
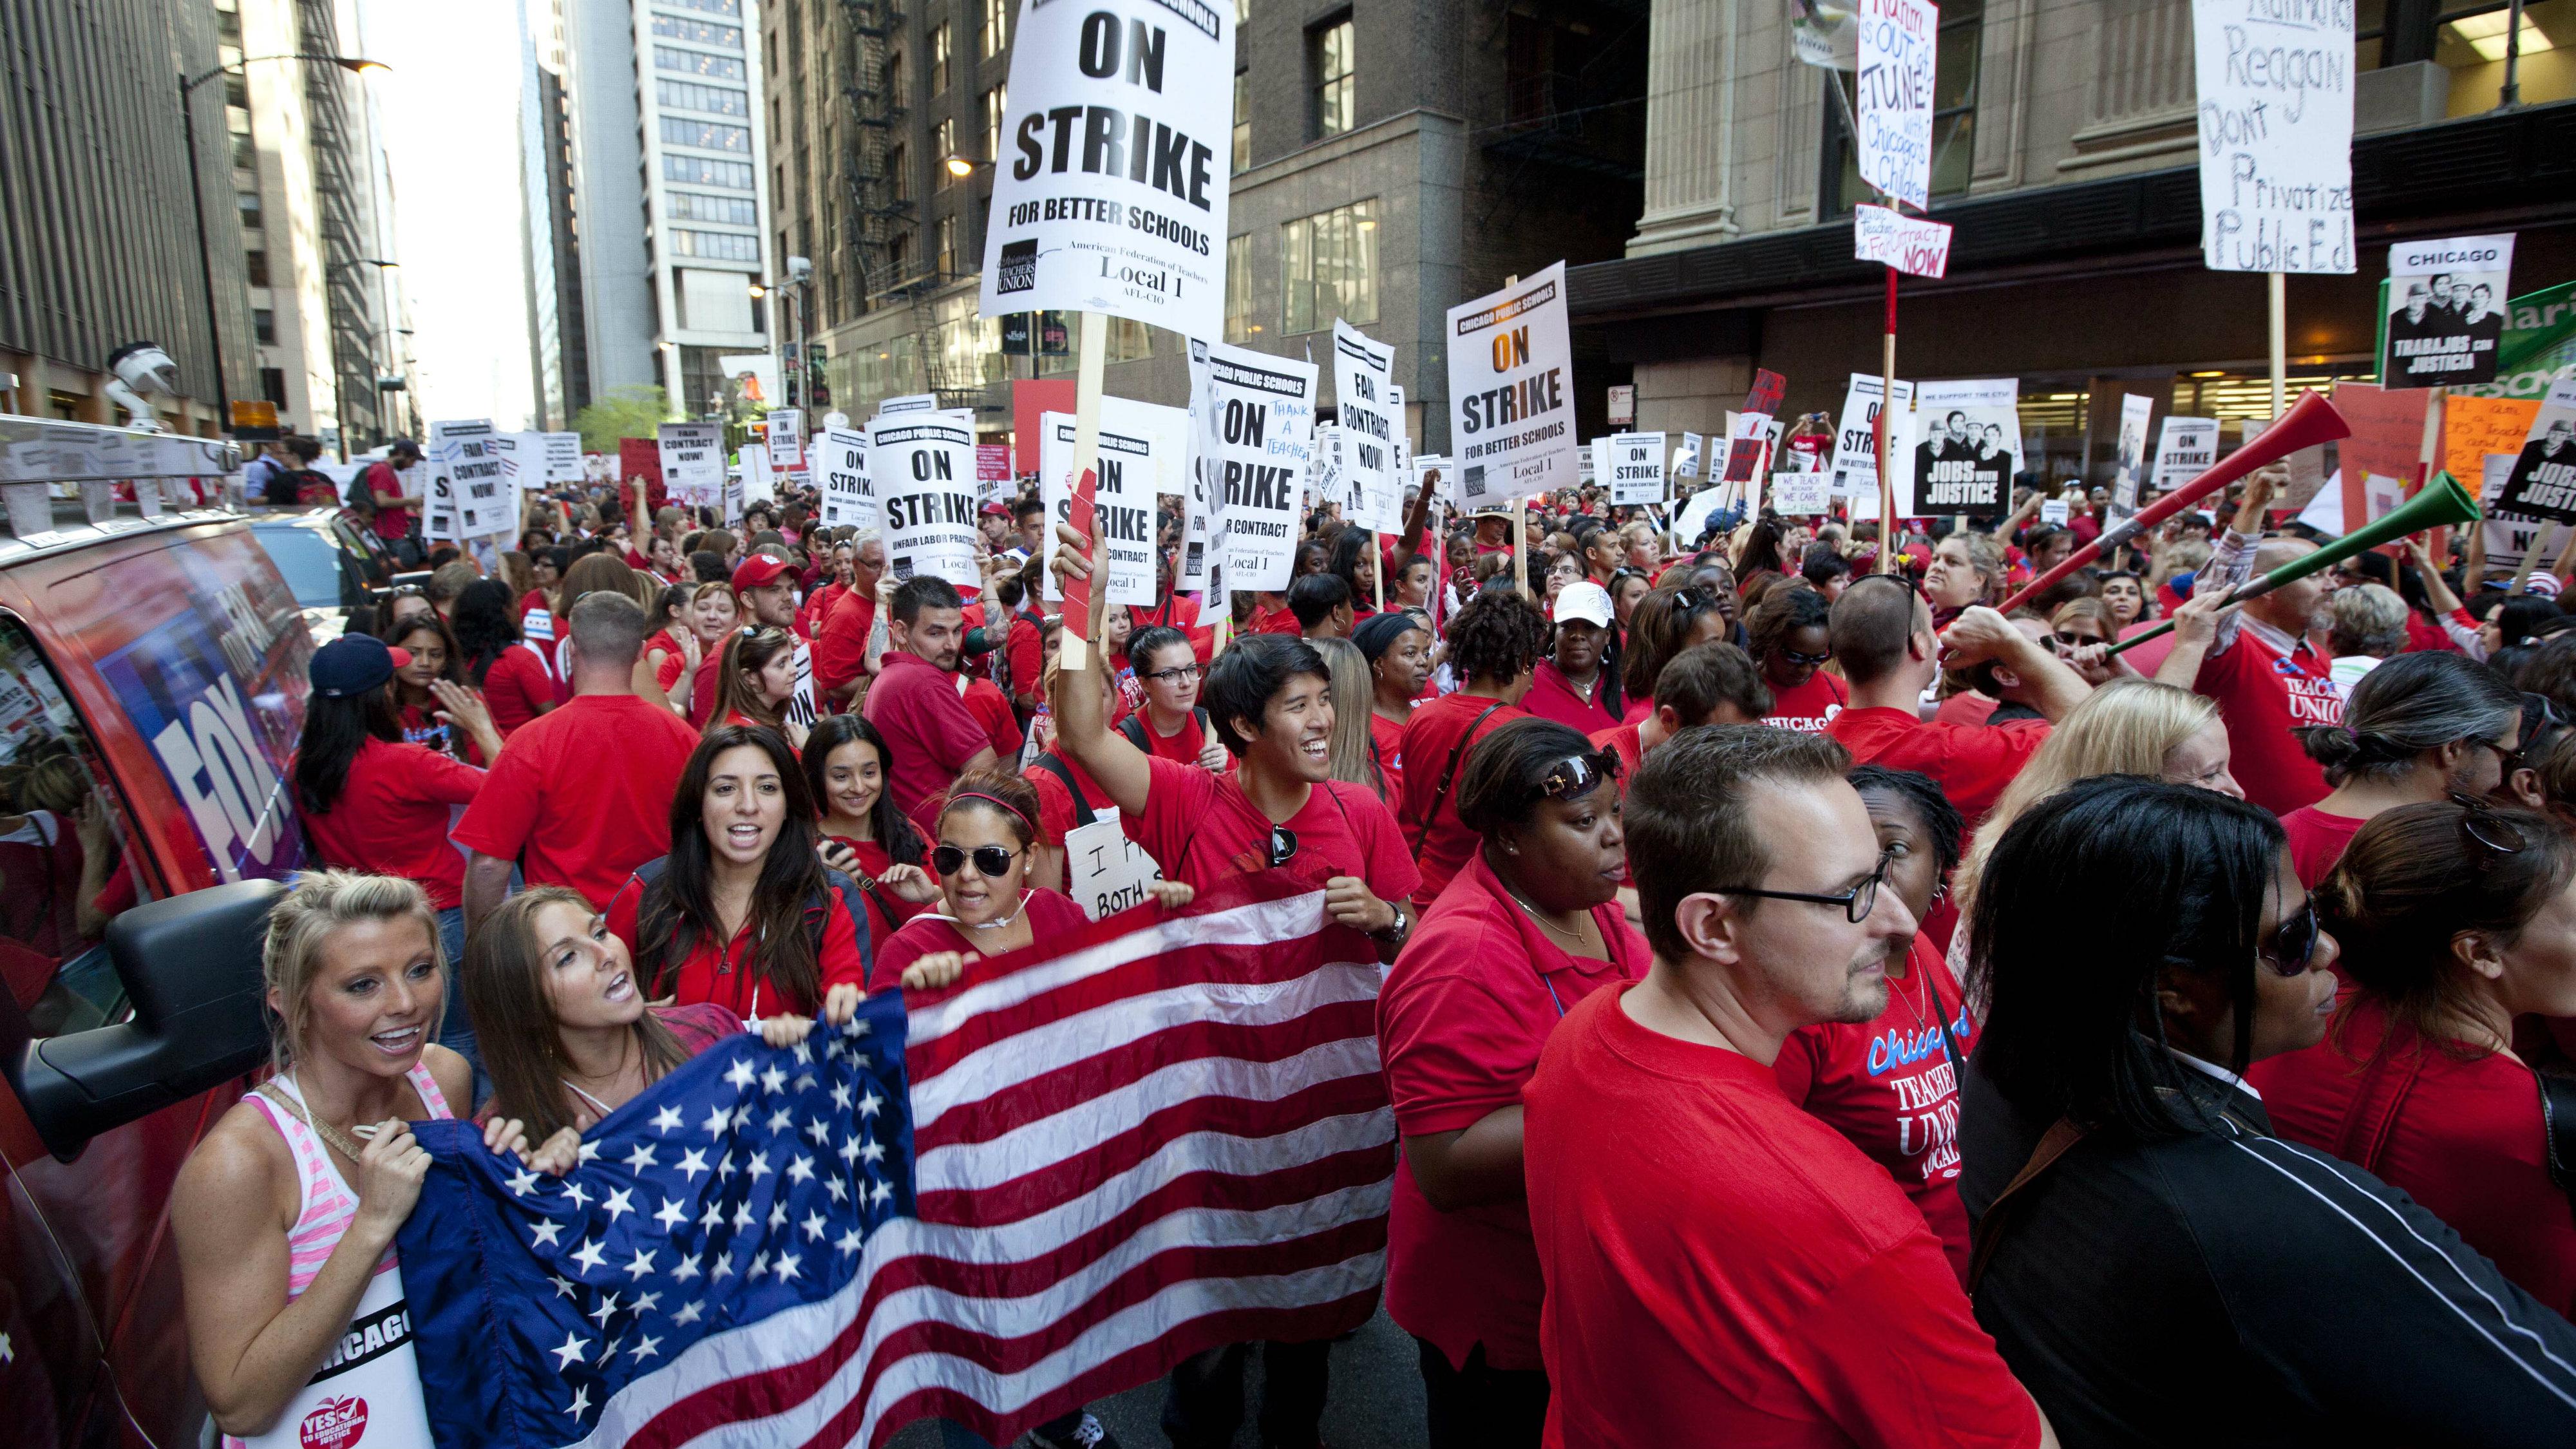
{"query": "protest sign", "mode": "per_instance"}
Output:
(2539, 345)
(1970, 446)
(470, 495)
(786, 439)
(1129, 217)
(1749, 436)
(1258, 430)
(759, 479)
(1686, 456)
(1821, 34)
(1892, 92)
(2055, 512)
(799, 709)
(993, 472)
(918, 402)
(2276, 88)
(1799, 495)
(641, 458)
(2185, 449)
(924, 471)
(2475, 429)
(693, 464)
(1511, 395)
(1123, 502)
(1637, 468)
(2387, 438)
(2542, 481)
(2445, 305)
(1104, 870)
(1913, 246)
(2510, 538)
(1363, 378)
(1856, 442)
(564, 462)
(2129, 454)
(734, 500)
(1900, 465)
(1591, 463)
(848, 499)
(1203, 506)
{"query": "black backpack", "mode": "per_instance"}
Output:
(1134, 727)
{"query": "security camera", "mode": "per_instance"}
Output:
(800, 269)
(141, 369)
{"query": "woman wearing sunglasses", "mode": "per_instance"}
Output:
(2456, 919)
(2146, 1247)
(985, 908)
(1529, 927)
(1793, 646)
(2418, 728)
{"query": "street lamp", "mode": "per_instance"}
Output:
(962, 167)
(197, 200)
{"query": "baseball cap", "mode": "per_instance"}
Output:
(353, 664)
(1585, 600)
(997, 510)
(756, 571)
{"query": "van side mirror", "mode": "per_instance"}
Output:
(191, 967)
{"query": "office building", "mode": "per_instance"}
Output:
(558, 363)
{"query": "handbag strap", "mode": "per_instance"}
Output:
(1449, 776)
(2061, 1135)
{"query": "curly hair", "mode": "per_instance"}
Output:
(1499, 634)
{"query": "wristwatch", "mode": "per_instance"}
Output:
(1394, 935)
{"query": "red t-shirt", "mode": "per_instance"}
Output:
(1181, 747)
(1386, 742)
(1889, 1087)
(1200, 828)
(1971, 763)
(1967, 707)
(1056, 812)
(1809, 707)
(817, 606)
(1723, 1268)
(2317, 841)
(532, 599)
(666, 673)
(1052, 915)
(1553, 696)
(1440, 844)
(2262, 696)
(702, 687)
(915, 704)
(585, 792)
(886, 910)
(841, 645)
(1631, 748)
(393, 522)
(984, 700)
(517, 688)
(392, 818)
(725, 974)
(2462, 1135)
(1464, 1012)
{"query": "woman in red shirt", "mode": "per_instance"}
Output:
(2455, 919)
(864, 837)
(430, 658)
(1529, 926)
(754, 681)
(1171, 725)
(742, 911)
(1891, 1084)
(1791, 642)
(517, 682)
(670, 651)
(1397, 646)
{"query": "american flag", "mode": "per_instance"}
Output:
(1165, 1133)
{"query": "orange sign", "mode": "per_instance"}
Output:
(2473, 427)
(254, 413)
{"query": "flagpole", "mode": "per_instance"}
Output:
(1887, 401)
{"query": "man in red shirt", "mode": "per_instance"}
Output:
(384, 484)
(1494, 646)
(1572, 685)
(917, 705)
(1882, 636)
(1722, 1268)
(1711, 683)
(841, 645)
(764, 591)
(2268, 676)
(581, 795)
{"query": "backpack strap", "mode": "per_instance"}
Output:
(1449, 776)
(853, 902)
(2053, 1144)
(1083, 814)
(1133, 727)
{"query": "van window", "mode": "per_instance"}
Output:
(65, 866)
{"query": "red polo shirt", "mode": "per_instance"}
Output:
(1723, 1268)
(841, 645)
(1201, 828)
(1809, 707)
(1429, 812)
(1553, 696)
(585, 792)
(915, 704)
(2263, 696)
(392, 818)
(1464, 1012)
(726, 974)
(1971, 763)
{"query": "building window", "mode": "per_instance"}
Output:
(690, 96)
(1242, 120)
(255, 266)
(996, 109)
(707, 171)
(1336, 88)
(263, 326)
(898, 173)
(719, 245)
(711, 7)
(248, 202)
(705, 135)
(943, 140)
(1954, 117)
(1239, 325)
(699, 32)
(997, 27)
(896, 78)
(697, 62)
(952, 263)
(899, 256)
(939, 59)
(1331, 267)
(728, 210)
(272, 384)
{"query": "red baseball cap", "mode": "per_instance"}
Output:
(758, 570)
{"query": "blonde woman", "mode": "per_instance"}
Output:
(1354, 691)
(285, 1215)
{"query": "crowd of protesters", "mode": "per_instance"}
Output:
(1820, 1008)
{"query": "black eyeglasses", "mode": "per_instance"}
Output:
(1856, 902)
(1182, 674)
(993, 861)
(2294, 942)
(1573, 777)
(1819, 660)
(1283, 846)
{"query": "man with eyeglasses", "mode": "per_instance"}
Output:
(1721, 1266)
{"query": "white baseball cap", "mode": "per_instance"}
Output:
(1585, 600)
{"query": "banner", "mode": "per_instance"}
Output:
(693, 462)
(1855, 458)
(1363, 389)
(2446, 311)
(1969, 446)
(1892, 93)
(2276, 88)
(1123, 498)
(1637, 468)
(786, 439)
(2185, 449)
(470, 495)
(1686, 456)
(843, 463)
(1110, 194)
(1913, 246)
(1259, 429)
(2542, 481)
(2129, 454)
(1511, 394)
(924, 471)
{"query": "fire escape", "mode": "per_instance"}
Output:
(883, 209)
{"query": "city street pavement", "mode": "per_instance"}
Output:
(1376, 1400)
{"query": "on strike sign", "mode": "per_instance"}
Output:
(1110, 195)
(1893, 92)
(1511, 399)
(924, 469)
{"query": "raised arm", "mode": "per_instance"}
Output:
(1081, 722)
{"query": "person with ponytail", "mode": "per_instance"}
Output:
(756, 679)
(2457, 919)
(864, 837)
(2418, 728)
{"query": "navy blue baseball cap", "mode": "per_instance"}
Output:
(353, 664)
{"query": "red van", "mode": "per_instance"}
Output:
(152, 682)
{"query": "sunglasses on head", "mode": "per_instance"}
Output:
(1573, 777)
(992, 861)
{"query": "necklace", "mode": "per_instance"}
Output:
(1544, 924)
(1897, 985)
(333, 1136)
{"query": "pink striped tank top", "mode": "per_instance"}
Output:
(328, 1203)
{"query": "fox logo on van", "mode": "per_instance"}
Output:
(214, 762)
